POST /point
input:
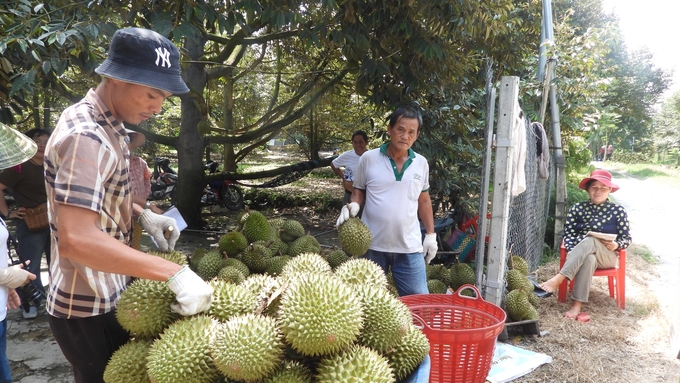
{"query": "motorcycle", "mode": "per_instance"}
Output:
(164, 180)
(225, 193)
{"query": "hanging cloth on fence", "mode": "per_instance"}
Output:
(542, 150)
(519, 182)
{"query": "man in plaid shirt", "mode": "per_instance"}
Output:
(91, 209)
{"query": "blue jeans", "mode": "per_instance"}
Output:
(32, 245)
(5, 372)
(408, 270)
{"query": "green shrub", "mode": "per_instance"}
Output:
(631, 158)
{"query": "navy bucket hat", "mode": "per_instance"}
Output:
(144, 57)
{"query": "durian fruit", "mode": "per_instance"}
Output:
(256, 227)
(518, 263)
(435, 286)
(438, 272)
(305, 244)
(517, 305)
(232, 243)
(172, 256)
(255, 283)
(144, 308)
(532, 314)
(386, 319)
(306, 263)
(354, 236)
(336, 257)
(409, 352)
(241, 218)
(357, 364)
(277, 246)
(461, 274)
(533, 299)
(319, 314)
(290, 371)
(291, 230)
(209, 265)
(276, 223)
(257, 257)
(248, 348)
(277, 264)
(204, 127)
(128, 363)
(182, 353)
(230, 300)
(358, 271)
(237, 264)
(195, 257)
(231, 274)
(516, 280)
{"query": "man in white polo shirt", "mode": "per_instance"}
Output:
(393, 181)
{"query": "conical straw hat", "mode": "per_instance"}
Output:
(15, 147)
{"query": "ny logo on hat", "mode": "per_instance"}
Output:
(163, 54)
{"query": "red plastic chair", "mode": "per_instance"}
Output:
(617, 279)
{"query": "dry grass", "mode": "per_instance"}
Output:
(615, 346)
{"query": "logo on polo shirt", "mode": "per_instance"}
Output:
(164, 55)
(417, 177)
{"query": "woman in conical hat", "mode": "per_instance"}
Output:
(15, 148)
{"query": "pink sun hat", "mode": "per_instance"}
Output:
(599, 175)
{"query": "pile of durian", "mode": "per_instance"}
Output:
(520, 301)
(440, 278)
(278, 316)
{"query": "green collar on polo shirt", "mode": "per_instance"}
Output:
(397, 174)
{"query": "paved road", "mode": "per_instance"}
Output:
(653, 210)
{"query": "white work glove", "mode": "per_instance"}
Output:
(15, 276)
(157, 226)
(348, 211)
(193, 294)
(430, 247)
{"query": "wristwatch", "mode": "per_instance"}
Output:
(147, 205)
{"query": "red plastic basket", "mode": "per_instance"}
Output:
(462, 333)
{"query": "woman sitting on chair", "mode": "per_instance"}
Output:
(585, 253)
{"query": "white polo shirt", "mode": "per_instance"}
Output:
(391, 210)
(348, 160)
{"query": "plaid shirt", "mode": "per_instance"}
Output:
(86, 165)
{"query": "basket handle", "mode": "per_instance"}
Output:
(421, 323)
(477, 296)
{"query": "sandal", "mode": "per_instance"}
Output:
(580, 317)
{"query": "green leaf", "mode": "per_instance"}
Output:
(46, 67)
(38, 7)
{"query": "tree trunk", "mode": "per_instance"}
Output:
(313, 136)
(228, 156)
(191, 142)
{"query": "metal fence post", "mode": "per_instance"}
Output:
(497, 251)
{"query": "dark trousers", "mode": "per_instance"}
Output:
(88, 343)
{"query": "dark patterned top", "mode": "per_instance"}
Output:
(606, 217)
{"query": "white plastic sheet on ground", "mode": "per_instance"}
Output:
(510, 362)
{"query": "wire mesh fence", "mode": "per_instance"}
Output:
(529, 210)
